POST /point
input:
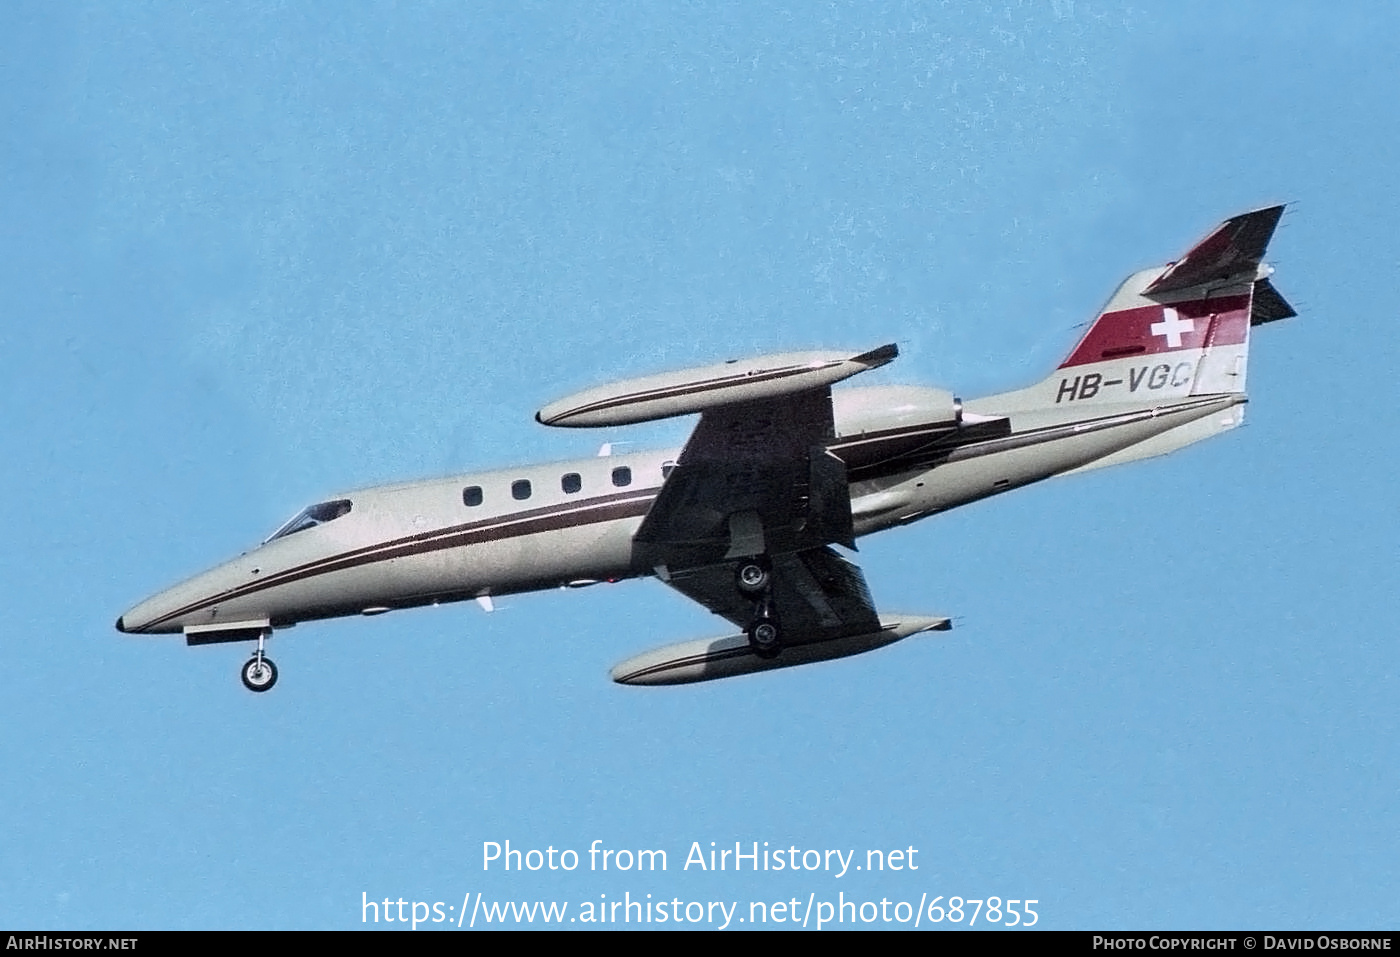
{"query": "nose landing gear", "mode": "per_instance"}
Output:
(259, 673)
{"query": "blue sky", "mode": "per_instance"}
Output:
(251, 254)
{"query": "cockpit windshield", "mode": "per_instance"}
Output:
(311, 517)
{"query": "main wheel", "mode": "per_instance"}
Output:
(765, 638)
(752, 577)
(259, 674)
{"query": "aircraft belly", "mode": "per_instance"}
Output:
(589, 552)
(1171, 440)
(974, 472)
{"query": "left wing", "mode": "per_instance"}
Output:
(756, 494)
(744, 520)
(754, 478)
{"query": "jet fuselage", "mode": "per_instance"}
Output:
(420, 543)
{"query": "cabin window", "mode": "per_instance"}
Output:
(471, 496)
(520, 489)
(571, 483)
(622, 476)
(312, 516)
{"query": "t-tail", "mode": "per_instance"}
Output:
(1181, 329)
(1174, 336)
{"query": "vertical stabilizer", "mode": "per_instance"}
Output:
(1178, 330)
(1173, 337)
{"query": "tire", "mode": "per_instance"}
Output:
(753, 577)
(765, 638)
(259, 676)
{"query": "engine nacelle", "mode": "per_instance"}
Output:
(880, 408)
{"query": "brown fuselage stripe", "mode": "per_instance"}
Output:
(546, 519)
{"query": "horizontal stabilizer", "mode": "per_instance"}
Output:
(1236, 246)
(710, 658)
(1268, 304)
(695, 390)
(878, 356)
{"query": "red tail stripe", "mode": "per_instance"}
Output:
(1150, 330)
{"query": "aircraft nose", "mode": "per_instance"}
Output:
(139, 619)
(191, 602)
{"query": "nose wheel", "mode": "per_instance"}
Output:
(259, 673)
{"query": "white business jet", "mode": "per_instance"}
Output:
(779, 469)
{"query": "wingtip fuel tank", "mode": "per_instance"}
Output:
(706, 387)
(709, 658)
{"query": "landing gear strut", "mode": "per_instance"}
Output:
(259, 673)
(754, 577)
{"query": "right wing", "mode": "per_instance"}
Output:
(753, 478)
(756, 485)
(816, 594)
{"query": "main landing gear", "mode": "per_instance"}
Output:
(754, 578)
(765, 636)
(259, 673)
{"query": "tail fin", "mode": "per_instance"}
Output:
(1178, 330)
